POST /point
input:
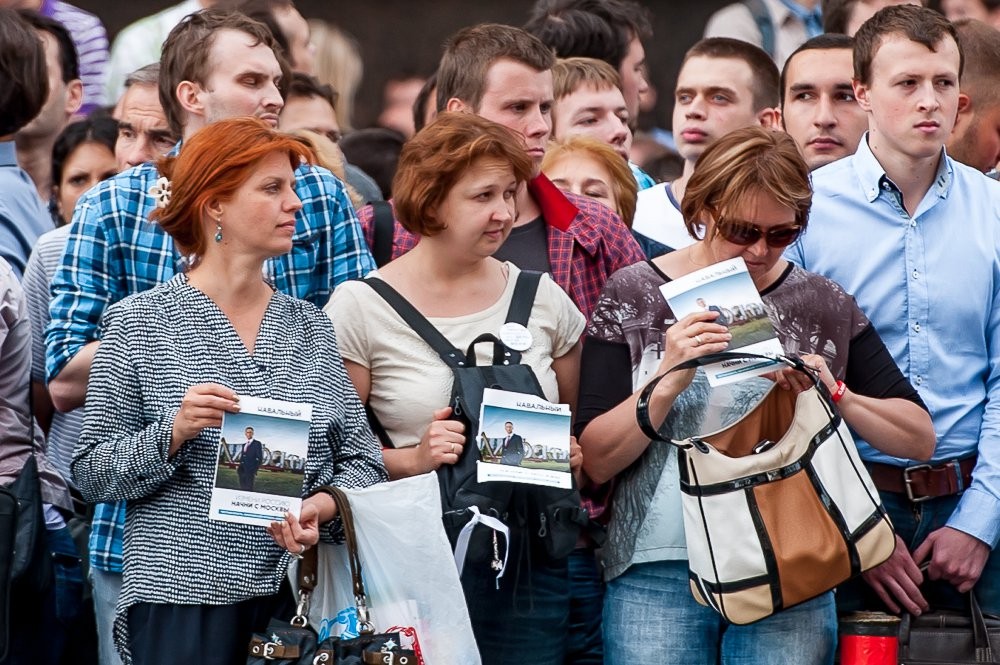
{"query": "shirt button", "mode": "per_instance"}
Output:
(916, 274)
(916, 327)
(885, 186)
(918, 380)
(913, 223)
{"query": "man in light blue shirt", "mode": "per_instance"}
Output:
(915, 237)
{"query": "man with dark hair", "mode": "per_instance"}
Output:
(723, 84)
(35, 140)
(310, 105)
(513, 446)
(975, 140)
(215, 65)
(24, 89)
(913, 235)
(424, 106)
(251, 456)
(608, 30)
(846, 16)
(818, 108)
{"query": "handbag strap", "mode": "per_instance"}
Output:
(353, 555)
(642, 405)
(980, 633)
(519, 311)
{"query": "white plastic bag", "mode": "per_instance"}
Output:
(408, 570)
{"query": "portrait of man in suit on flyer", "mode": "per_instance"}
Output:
(250, 460)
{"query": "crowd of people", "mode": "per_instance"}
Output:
(189, 217)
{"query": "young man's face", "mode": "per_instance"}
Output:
(633, 73)
(242, 80)
(599, 113)
(312, 113)
(714, 96)
(911, 98)
(520, 98)
(820, 111)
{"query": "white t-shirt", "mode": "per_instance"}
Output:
(408, 379)
(658, 216)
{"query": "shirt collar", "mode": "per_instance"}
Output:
(8, 154)
(873, 177)
(811, 18)
(557, 210)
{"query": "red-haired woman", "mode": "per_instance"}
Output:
(173, 360)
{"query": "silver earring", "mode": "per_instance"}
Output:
(218, 229)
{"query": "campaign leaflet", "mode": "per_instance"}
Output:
(727, 288)
(262, 461)
(523, 439)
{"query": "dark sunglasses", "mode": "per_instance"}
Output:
(745, 233)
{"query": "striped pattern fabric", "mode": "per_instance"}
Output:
(91, 41)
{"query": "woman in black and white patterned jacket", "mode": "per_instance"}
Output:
(172, 361)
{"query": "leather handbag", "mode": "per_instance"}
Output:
(946, 637)
(296, 643)
(778, 507)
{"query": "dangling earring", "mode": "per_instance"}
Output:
(218, 229)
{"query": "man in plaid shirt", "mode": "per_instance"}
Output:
(214, 65)
(504, 74)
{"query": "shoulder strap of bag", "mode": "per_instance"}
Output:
(642, 405)
(383, 226)
(524, 297)
(762, 18)
(420, 325)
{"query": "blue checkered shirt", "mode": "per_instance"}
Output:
(114, 251)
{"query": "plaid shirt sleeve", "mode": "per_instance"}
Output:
(94, 271)
(332, 249)
(107, 533)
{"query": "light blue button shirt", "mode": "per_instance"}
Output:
(930, 284)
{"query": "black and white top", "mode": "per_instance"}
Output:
(157, 344)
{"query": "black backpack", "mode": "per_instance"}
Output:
(548, 519)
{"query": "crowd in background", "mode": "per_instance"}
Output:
(147, 185)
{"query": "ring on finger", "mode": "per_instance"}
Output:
(697, 340)
(453, 449)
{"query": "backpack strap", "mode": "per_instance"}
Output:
(519, 312)
(451, 356)
(383, 226)
(762, 18)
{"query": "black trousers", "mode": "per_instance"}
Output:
(162, 634)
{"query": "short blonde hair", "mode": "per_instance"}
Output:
(338, 63)
(740, 164)
(570, 74)
(623, 183)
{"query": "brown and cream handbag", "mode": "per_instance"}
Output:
(778, 507)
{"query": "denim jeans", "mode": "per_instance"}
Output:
(526, 621)
(914, 522)
(106, 587)
(41, 626)
(586, 605)
(651, 618)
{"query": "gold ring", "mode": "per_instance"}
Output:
(453, 449)
(697, 340)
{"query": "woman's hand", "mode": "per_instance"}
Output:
(792, 379)
(576, 460)
(298, 535)
(443, 441)
(692, 337)
(203, 406)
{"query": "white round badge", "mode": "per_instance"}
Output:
(515, 336)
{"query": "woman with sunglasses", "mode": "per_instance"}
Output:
(749, 197)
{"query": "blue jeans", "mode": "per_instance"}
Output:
(41, 626)
(586, 604)
(651, 618)
(527, 619)
(106, 588)
(914, 522)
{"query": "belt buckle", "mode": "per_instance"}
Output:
(908, 482)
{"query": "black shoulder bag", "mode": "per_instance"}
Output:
(551, 517)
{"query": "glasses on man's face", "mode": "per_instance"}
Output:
(745, 233)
